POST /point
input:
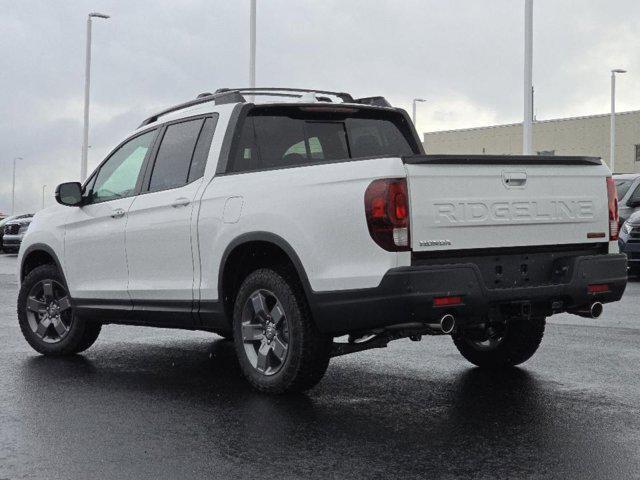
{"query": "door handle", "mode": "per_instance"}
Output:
(180, 202)
(118, 213)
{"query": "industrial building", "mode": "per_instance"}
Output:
(565, 136)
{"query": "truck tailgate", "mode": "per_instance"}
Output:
(470, 202)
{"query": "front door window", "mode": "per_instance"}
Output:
(118, 176)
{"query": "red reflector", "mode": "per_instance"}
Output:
(445, 301)
(598, 288)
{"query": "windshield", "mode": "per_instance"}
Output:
(622, 187)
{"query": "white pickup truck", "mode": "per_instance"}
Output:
(292, 223)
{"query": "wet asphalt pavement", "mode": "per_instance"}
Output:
(153, 404)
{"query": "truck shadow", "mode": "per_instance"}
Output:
(357, 423)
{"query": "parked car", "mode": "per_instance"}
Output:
(286, 225)
(12, 230)
(629, 242)
(2, 222)
(628, 188)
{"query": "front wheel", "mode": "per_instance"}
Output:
(501, 345)
(47, 318)
(278, 346)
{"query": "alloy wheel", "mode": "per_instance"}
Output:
(49, 311)
(265, 332)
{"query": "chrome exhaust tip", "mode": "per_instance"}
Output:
(589, 311)
(447, 323)
(596, 309)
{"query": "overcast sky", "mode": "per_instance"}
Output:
(463, 56)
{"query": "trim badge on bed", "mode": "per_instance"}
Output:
(434, 243)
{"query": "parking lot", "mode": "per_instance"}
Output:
(149, 403)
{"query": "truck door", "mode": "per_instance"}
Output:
(159, 227)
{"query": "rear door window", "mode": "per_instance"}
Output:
(171, 167)
(201, 153)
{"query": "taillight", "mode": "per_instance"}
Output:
(614, 219)
(386, 206)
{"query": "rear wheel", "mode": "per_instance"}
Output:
(46, 316)
(501, 345)
(278, 346)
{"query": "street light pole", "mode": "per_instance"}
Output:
(252, 44)
(527, 121)
(415, 101)
(43, 187)
(13, 187)
(87, 82)
(612, 158)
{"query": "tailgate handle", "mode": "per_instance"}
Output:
(514, 179)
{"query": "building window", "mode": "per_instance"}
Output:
(638, 153)
(547, 153)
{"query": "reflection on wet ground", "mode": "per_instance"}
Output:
(185, 407)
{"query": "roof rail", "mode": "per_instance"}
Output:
(234, 95)
(299, 92)
(219, 98)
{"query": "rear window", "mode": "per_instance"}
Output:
(286, 137)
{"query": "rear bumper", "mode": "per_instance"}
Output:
(406, 295)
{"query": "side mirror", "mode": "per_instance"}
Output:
(633, 202)
(69, 194)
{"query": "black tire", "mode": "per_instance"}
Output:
(515, 345)
(79, 334)
(308, 351)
